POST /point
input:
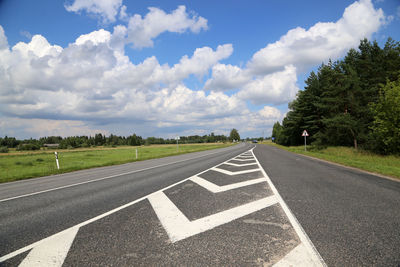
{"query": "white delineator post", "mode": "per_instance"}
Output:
(58, 165)
(136, 153)
(177, 142)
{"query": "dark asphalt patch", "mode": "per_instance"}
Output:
(197, 202)
(222, 179)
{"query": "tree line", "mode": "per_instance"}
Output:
(351, 102)
(103, 140)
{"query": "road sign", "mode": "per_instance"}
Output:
(305, 133)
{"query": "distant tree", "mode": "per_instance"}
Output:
(276, 131)
(234, 135)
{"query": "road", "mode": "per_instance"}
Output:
(233, 206)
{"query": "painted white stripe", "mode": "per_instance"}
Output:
(240, 165)
(243, 159)
(217, 189)
(52, 251)
(234, 173)
(298, 257)
(312, 251)
(103, 178)
(178, 227)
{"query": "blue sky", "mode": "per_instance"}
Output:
(167, 68)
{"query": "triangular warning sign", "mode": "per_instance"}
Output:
(304, 133)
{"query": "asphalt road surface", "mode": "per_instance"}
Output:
(235, 206)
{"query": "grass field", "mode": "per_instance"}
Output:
(22, 165)
(386, 165)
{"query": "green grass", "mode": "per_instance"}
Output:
(22, 165)
(385, 165)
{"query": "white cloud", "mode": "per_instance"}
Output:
(305, 48)
(227, 77)
(278, 87)
(91, 81)
(122, 13)
(107, 10)
(142, 31)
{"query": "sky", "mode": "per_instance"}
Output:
(170, 68)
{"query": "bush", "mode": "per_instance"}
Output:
(28, 147)
(3, 149)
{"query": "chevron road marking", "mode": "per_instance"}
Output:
(179, 227)
(234, 173)
(240, 165)
(217, 189)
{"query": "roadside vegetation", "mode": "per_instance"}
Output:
(354, 102)
(17, 165)
(348, 156)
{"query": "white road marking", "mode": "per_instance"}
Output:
(240, 165)
(179, 227)
(298, 257)
(52, 251)
(217, 189)
(243, 159)
(100, 179)
(312, 251)
(234, 173)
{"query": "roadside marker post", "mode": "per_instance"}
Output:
(136, 153)
(177, 142)
(58, 165)
(305, 134)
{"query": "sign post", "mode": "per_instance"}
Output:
(305, 134)
(58, 165)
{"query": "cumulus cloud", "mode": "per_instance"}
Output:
(278, 87)
(92, 81)
(304, 48)
(142, 31)
(227, 77)
(107, 10)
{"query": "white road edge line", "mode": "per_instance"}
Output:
(100, 179)
(29, 247)
(296, 225)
